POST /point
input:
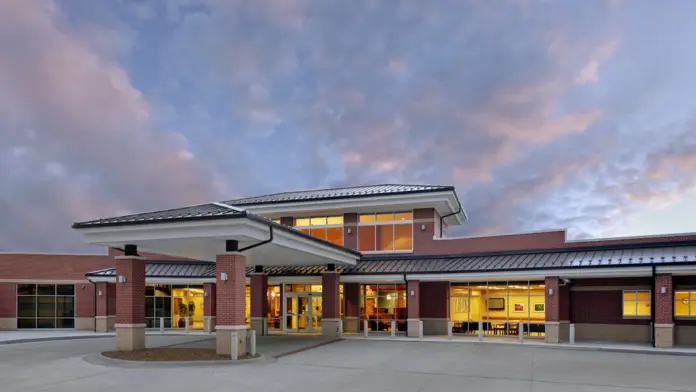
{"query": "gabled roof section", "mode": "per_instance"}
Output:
(202, 211)
(338, 193)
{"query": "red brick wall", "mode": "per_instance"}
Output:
(84, 300)
(130, 295)
(413, 301)
(330, 295)
(434, 299)
(553, 302)
(8, 300)
(259, 295)
(664, 303)
(230, 301)
(111, 299)
(600, 307)
(287, 221)
(51, 266)
(103, 300)
(209, 301)
(350, 240)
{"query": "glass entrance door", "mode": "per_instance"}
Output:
(302, 312)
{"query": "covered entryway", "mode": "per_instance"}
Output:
(233, 239)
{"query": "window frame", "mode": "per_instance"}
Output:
(310, 226)
(374, 223)
(690, 292)
(36, 295)
(636, 302)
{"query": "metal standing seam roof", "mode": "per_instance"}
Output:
(202, 211)
(533, 260)
(338, 193)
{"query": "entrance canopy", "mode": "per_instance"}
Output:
(201, 232)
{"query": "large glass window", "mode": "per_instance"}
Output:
(385, 232)
(45, 306)
(636, 303)
(275, 310)
(500, 307)
(329, 228)
(685, 303)
(177, 305)
(382, 304)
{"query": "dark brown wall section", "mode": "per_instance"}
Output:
(600, 307)
(350, 222)
(434, 299)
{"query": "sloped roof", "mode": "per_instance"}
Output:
(338, 193)
(608, 256)
(202, 211)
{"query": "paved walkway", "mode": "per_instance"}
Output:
(350, 365)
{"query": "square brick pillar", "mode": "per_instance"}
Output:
(130, 303)
(105, 319)
(351, 296)
(664, 312)
(413, 305)
(230, 302)
(330, 303)
(209, 310)
(259, 303)
(557, 310)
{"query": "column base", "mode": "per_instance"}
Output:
(351, 324)
(329, 327)
(557, 331)
(105, 323)
(664, 335)
(413, 328)
(223, 339)
(259, 324)
(130, 337)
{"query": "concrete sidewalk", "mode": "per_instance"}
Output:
(26, 336)
(536, 343)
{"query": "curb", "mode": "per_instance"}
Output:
(51, 339)
(627, 350)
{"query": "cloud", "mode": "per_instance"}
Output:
(543, 114)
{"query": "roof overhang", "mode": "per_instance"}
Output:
(205, 239)
(444, 202)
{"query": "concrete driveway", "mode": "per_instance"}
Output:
(350, 365)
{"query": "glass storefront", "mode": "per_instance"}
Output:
(381, 304)
(178, 305)
(275, 311)
(45, 306)
(499, 306)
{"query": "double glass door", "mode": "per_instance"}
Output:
(302, 312)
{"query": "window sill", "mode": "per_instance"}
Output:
(380, 252)
(636, 317)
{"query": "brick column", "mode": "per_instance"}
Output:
(8, 306)
(230, 302)
(351, 296)
(259, 303)
(413, 305)
(557, 310)
(209, 310)
(130, 303)
(330, 303)
(664, 311)
(434, 305)
(104, 320)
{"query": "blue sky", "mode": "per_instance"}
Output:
(544, 114)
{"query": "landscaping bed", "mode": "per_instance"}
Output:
(171, 354)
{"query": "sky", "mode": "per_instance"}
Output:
(544, 114)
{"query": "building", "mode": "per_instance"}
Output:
(375, 257)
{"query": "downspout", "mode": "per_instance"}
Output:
(269, 240)
(652, 308)
(442, 218)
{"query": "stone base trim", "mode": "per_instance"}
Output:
(351, 324)
(260, 325)
(664, 335)
(7, 324)
(557, 331)
(85, 323)
(130, 337)
(412, 328)
(230, 327)
(105, 323)
(434, 326)
(329, 327)
(209, 327)
(223, 341)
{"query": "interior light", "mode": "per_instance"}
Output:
(272, 293)
(388, 296)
